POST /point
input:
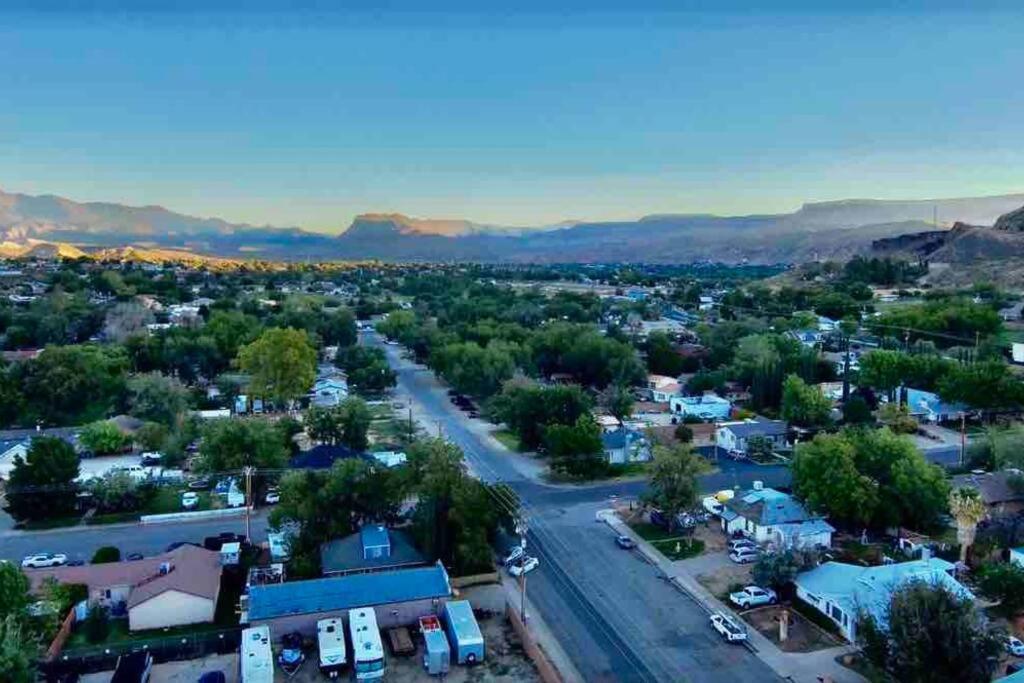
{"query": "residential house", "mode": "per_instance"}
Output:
(769, 516)
(399, 597)
(9, 450)
(708, 406)
(625, 445)
(826, 324)
(809, 338)
(843, 591)
(375, 548)
(997, 489)
(329, 392)
(173, 589)
(389, 458)
(734, 437)
(927, 406)
(663, 388)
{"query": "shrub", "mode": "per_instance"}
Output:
(106, 554)
(684, 433)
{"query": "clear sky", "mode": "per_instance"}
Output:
(517, 118)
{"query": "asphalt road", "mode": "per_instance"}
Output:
(615, 617)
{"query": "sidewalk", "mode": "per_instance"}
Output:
(541, 633)
(795, 666)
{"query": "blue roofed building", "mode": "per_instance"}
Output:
(842, 591)
(399, 597)
(625, 445)
(927, 406)
(776, 518)
(709, 406)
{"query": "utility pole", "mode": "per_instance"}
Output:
(248, 500)
(963, 438)
(521, 529)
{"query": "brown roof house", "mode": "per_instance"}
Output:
(997, 489)
(173, 589)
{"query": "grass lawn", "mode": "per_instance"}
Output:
(666, 542)
(119, 633)
(167, 499)
(54, 523)
(508, 440)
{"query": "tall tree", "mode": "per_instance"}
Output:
(930, 635)
(230, 445)
(17, 652)
(968, 509)
(576, 449)
(673, 484)
(13, 590)
(43, 483)
(281, 364)
(804, 405)
(157, 398)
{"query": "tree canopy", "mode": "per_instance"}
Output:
(281, 364)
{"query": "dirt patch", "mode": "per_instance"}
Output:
(724, 578)
(803, 636)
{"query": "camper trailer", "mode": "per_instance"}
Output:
(330, 638)
(464, 632)
(257, 660)
(367, 648)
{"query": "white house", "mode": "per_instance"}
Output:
(843, 591)
(9, 450)
(769, 516)
(735, 436)
(663, 388)
(707, 406)
(329, 392)
(173, 589)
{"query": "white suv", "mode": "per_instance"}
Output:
(44, 560)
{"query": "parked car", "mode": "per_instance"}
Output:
(151, 459)
(737, 543)
(273, 497)
(134, 557)
(744, 555)
(513, 554)
(44, 560)
(712, 505)
(728, 628)
(753, 596)
(625, 542)
(200, 484)
(523, 565)
(190, 500)
(1014, 646)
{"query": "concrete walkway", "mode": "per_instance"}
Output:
(794, 666)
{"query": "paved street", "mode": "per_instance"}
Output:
(614, 615)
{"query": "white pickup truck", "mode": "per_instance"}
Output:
(753, 596)
(728, 628)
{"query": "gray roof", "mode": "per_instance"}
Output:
(757, 427)
(620, 438)
(994, 487)
(348, 592)
(344, 555)
(769, 507)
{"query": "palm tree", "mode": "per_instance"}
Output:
(968, 509)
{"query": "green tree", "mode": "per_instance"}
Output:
(986, 386)
(104, 437)
(804, 405)
(339, 328)
(323, 424)
(74, 384)
(856, 411)
(119, 492)
(826, 477)
(1004, 583)
(931, 635)
(897, 418)
(473, 370)
(662, 358)
(107, 554)
(231, 330)
(398, 325)
(152, 436)
(683, 433)
(281, 364)
(355, 418)
(231, 445)
(576, 450)
(17, 652)
(42, 484)
(97, 624)
(157, 398)
(673, 484)
(618, 401)
(13, 590)
(778, 569)
(528, 409)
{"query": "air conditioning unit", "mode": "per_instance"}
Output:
(165, 568)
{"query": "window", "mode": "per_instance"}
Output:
(836, 613)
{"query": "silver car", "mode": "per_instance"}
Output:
(41, 560)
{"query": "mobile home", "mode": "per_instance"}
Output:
(330, 637)
(257, 661)
(367, 648)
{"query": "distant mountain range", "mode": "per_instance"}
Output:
(48, 224)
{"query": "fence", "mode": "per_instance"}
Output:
(62, 636)
(187, 516)
(548, 672)
(475, 580)
(103, 657)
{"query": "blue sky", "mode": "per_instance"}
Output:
(308, 118)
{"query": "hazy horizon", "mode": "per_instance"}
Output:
(502, 119)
